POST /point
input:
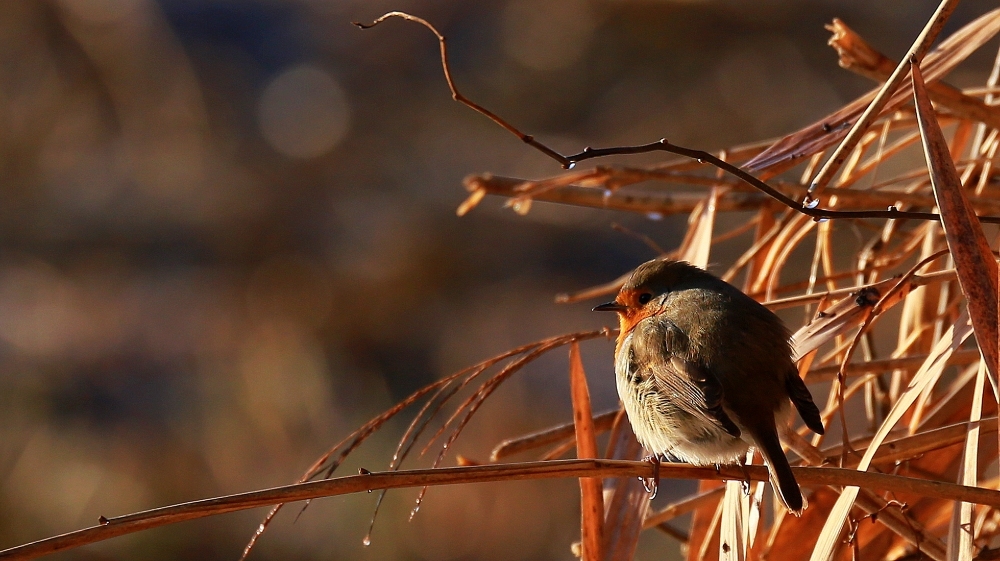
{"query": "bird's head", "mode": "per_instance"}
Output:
(645, 291)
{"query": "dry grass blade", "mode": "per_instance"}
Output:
(591, 494)
(464, 412)
(778, 258)
(605, 192)
(906, 363)
(895, 294)
(790, 536)
(898, 450)
(433, 406)
(471, 202)
(599, 197)
(602, 423)
(732, 541)
(805, 299)
(626, 510)
(331, 460)
(921, 45)
(961, 537)
(840, 316)
(974, 262)
(858, 56)
(467, 409)
(696, 247)
(420, 423)
(829, 537)
(705, 533)
(123, 525)
(815, 138)
(626, 498)
(440, 392)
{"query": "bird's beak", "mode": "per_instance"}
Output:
(610, 307)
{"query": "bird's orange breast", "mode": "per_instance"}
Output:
(627, 321)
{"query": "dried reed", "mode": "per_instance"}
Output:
(917, 420)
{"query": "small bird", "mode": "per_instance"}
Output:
(705, 371)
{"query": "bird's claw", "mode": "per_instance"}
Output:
(746, 479)
(653, 485)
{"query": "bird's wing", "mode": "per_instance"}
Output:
(803, 402)
(662, 353)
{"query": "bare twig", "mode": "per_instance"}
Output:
(807, 207)
(457, 96)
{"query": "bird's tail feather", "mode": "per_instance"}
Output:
(786, 489)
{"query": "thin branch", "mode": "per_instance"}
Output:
(457, 96)
(815, 213)
(663, 145)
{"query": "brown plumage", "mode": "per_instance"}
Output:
(704, 371)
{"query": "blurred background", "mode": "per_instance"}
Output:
(228, 237)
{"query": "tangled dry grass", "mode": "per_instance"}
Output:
(876, 236)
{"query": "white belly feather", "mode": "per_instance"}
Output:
(660, 432)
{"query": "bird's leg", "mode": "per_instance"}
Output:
(653, 486)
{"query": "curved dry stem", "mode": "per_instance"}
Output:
(131, 523)
(473, 402)
(443, 390)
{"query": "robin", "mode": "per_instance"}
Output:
(705, 371)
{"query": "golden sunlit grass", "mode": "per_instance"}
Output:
(866, 228)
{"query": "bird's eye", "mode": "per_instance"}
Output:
(645, 297)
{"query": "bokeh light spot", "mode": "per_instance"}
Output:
(303, 112)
